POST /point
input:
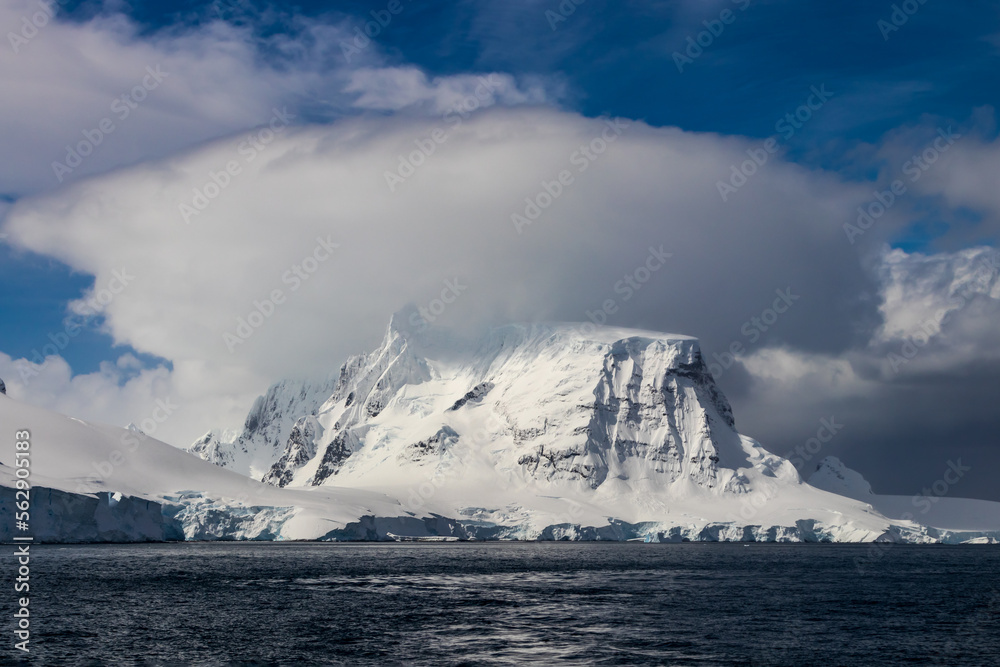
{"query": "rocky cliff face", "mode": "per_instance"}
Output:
(266, 430)
(431, 465)
(524, 404)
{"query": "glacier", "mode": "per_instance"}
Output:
(526, 432)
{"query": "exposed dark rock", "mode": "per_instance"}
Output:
(436, 444)
(475, 394)
(337, 452)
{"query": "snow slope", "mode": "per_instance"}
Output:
(833, 476)
(82, 472)
(557, 430)
(253, 451)
(940, 518)
(528, 432)
(535, 426)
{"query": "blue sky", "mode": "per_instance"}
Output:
(618, 59)
(232, 63)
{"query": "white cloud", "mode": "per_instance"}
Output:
(65, 83)
(167, 405)
(395, 88)
(940, 313)
(948, 169)
(450, 219)
(265, 198)
(198, 273)
(66, 79)
(919, 390)
(921, 291)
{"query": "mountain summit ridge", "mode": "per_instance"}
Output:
(525, 432)
(627, 422)
(607, 399)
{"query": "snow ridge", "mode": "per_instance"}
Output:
(523, 404)
(530, 432)
(266, 430)
(833, 476)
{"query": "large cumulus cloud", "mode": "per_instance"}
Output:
(200, 263)
(216, 193)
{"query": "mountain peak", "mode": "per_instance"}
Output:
(833, 476)
(607, 334)
(522, 405)
(406, 321)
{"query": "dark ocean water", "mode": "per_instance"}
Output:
(512, 603)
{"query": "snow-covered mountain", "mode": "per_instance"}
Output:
(533, 403)
(93, 482)
(927, 518)
(538, 426)
(253, 451)
(548, 402)
(527, 432)
(833, 476)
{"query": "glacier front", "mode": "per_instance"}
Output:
(556, 431)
